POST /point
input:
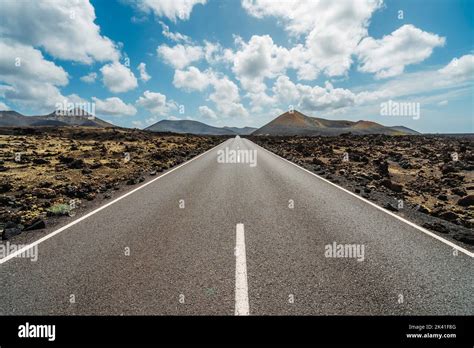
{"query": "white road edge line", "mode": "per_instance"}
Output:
(241, 285)
(52, 234)
(424, 230)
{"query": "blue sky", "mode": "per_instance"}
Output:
(241, 63)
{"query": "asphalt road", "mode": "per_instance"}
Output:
(147, 254)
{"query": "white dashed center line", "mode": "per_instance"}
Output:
(241, 286)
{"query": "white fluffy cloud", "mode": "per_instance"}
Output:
(89, 78)
(254, 62)
(40, 96)
(64, 28)
(327, 97)
(388, 56)
(285, 90)
(304, 16)
(30, 79)
(225, 93)
(328, 35)
(192, 79)
(113, 106)
(144, 76)
(21, 62)
(459, 69)
(173, 9)
(227, 99)
(207, 113)
(312, 98)
(180, 56)
(454, 79)
(458, 74)
(258, 59)
(176, 37)
(118, 78)
(332, 30)
(214, 53)
(156, 103)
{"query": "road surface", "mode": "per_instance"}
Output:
(212, 238)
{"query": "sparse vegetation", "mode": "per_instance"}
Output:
(44, 168)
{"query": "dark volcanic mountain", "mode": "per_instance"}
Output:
(405, 130)
(242, 131)
(188, 126)
(13, 119)
(296, 123)
(73, 118)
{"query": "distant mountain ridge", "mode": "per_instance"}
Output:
(241, 130)
(288, 123)
(74, 117)
(296, 123)
(196, 127)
